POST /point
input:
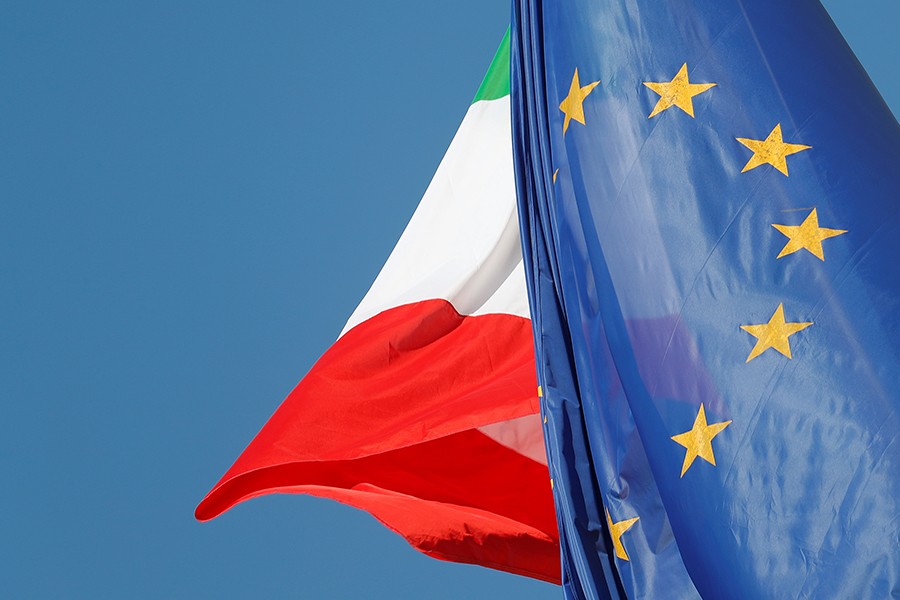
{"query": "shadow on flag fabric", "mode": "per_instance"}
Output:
(709, 196)
(424, 412)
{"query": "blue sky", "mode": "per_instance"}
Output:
(194, 198)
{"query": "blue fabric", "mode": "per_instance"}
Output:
(652, 249)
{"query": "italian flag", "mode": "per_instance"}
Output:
(424, 412)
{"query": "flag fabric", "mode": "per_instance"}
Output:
(424, 412)
(709, 194)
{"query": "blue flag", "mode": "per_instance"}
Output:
(708, 195)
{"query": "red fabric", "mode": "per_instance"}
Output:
(386, 421)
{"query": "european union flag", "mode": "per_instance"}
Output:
(708, 194)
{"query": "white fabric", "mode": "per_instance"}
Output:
(462, 244)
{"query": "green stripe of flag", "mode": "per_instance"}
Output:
(496, 81)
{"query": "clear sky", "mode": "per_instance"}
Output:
(193, 199)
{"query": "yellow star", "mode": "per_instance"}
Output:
(678, 92)
(772, 150)
(698, 441)
(773, 334)
(573, 105)
(806, 236)
(616, 530)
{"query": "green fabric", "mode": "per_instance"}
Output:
(496, 81)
